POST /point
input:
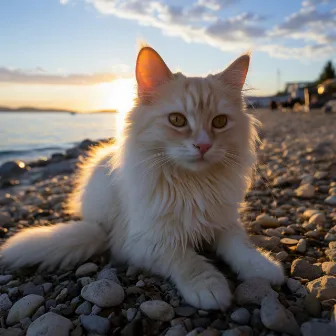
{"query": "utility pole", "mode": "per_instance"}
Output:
(278, 80)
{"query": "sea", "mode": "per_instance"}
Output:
(28, 136)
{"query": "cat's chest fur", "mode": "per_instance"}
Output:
(187, 207)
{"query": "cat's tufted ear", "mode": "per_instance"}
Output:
(150, 71)
(235, 74)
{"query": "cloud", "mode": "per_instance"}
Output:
(40, 76)
(206, 22)
(64, 2)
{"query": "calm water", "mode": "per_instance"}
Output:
(28, 136)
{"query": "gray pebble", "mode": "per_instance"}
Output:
(315, 328)
(4, 279)
(241, 316)
(95, 324)
(276, 317)
(253, 290)
(104, 293)
(109, 274)
(84, 308)
(86, 269)
(157, 310)
(25, 307)
(5, 302)
(50, 324)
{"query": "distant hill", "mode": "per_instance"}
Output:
(46, 110)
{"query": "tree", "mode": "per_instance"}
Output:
(327, 72)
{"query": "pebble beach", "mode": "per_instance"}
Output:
(290, 211)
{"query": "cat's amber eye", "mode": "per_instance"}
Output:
(177, 119)
(220, 121)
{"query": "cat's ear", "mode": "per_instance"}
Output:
(151, 71)
(235, 74)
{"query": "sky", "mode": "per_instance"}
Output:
(80, 54)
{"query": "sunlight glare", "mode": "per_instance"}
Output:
(118, 95)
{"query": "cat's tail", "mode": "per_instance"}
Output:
(60, 245)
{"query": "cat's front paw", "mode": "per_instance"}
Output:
(209, 290)
(263, 267)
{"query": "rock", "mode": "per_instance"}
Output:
(158, 310)
(132, 329)
(63, 167)
(178, 330)
(241, 316)
(50, 324)
(269, 243)
(86, 269)
(276, 317)
(317, 219)
(25, 307)
(305, 191)
(84, 309)
(109, 274)
(315, 328)
(323, 288)
(331, 200)
(4, 279)
(329, 268)
(319, 175)
(104, 293)
(185, 311)
(289, 241)
(47, 287)
(131, 313)
(12, 169)
(293, 285)
(310, 212)
(5, 220)
(330, 237)
(301, 246)
(252, 291)
(87, 144)
(95, 324)
(267, 221)
(312, 305)
(12, 332)
(39, 312)
(331, 254)
(5, 303)
(140, 283)
(303, 269)
(240, 331)
(73, 153)
(25, 323)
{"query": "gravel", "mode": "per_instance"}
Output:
(290, 212)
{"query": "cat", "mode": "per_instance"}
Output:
(175, 179)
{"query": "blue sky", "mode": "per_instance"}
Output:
(51, 46)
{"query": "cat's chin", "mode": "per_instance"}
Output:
(195, 165)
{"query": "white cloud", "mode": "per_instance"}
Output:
(64, 2)
(204, 22)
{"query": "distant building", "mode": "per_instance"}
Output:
(296, 89)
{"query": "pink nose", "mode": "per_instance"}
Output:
(203, 148)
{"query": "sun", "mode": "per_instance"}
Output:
(118, 95)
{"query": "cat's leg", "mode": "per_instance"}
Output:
(234, 247)
(199, 282)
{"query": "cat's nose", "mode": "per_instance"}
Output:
(203, 148)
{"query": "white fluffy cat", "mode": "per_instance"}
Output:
(174, 180)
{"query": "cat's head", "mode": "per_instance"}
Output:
(193, 123)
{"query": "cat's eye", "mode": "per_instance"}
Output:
(177, 119)
(220, 121)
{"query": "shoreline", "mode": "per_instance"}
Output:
(290, 213)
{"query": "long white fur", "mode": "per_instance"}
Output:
(152, 213)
